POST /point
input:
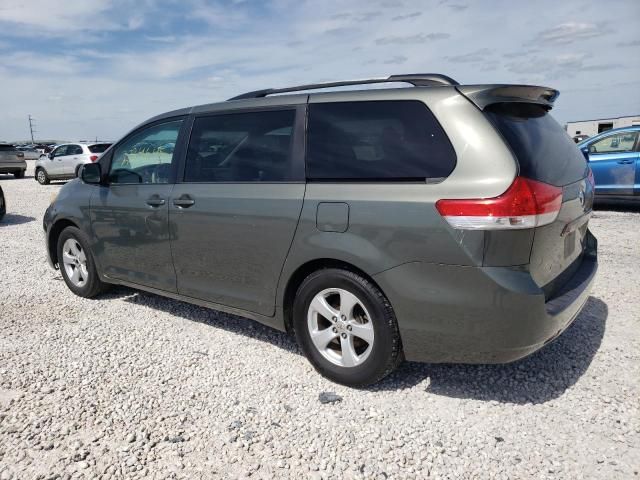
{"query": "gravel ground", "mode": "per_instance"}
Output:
(133, 385)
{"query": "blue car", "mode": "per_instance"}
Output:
(614, 158)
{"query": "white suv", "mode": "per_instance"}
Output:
(65, 160)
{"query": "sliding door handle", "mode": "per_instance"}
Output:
(184, 201)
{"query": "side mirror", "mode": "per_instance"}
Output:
(91, 173)
(50, 156)
(592, 149)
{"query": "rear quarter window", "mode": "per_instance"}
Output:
(542, 147)
(376, 140)
(99, 147)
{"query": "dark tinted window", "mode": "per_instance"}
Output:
(544, 150)
(376, 140)
(7, 148)
(99, 147)
(241, 147)
(74, 150)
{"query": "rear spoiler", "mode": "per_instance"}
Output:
(485, 95)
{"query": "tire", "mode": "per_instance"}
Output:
(19, 174)
(42, 177)
(80, 275)
(348, 358)
(77, 170)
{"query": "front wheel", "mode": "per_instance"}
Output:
(77, 264)
(42, 177)
(346, 327)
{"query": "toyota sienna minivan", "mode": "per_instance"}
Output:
(436, 223)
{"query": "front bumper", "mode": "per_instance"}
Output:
(460, 314)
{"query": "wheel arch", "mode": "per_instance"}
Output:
(303, 271)
(54, 234)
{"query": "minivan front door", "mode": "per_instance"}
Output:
(129, 216)
(233, 218)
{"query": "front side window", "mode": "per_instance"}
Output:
(377, 140)
(622, 142)
(241, 147)
(60, 151)
(146, 156)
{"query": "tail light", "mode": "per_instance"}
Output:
(93, 158)
(526, 204)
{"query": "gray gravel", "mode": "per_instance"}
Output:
(133, 385)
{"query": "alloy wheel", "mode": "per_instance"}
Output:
(74, 260)
(340, 327)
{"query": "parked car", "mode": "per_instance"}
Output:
(3, 204)
(30, 153)
(614, 158)
(12, 160)
(65, 161)
(440, 223)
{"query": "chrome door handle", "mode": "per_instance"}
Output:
(626, 162)
(155, 201)
(184, 201)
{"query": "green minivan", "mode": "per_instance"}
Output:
(437, 223)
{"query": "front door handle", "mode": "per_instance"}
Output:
(626, 162)
(155, 201)
(184, 201)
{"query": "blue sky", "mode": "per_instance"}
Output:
(87, 68)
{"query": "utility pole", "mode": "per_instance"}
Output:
(31, 125)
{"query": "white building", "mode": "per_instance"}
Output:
(593, 127)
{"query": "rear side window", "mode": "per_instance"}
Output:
(74, 150)
(241, 147)
(99, 147)
(7, 148)
(542, 147)
(376, 140)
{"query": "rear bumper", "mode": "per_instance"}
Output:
(462, 314)
(10, 167)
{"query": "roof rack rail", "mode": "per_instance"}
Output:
(415, 79)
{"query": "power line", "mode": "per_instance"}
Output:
(31, 125)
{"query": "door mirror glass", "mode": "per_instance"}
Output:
(90, 173)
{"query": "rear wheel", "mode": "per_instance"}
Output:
(346, 327)
(42, 177)
(77, 264)
(19, 174)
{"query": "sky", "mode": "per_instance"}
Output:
(96, 68)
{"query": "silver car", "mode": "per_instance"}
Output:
(12, 160)
(65, 160)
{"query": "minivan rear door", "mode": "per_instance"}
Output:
(234, 214)
(545, 153)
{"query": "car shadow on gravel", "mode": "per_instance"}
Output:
(13, 219)
(541, 377)
(538, 378)
(632, 207)
(215, 318)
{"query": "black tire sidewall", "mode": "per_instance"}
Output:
(93, 285)
(382, 355)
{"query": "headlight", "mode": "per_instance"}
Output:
(53, 197)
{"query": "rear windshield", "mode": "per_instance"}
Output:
(7, 148)
(99, 147)
(544, 150)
